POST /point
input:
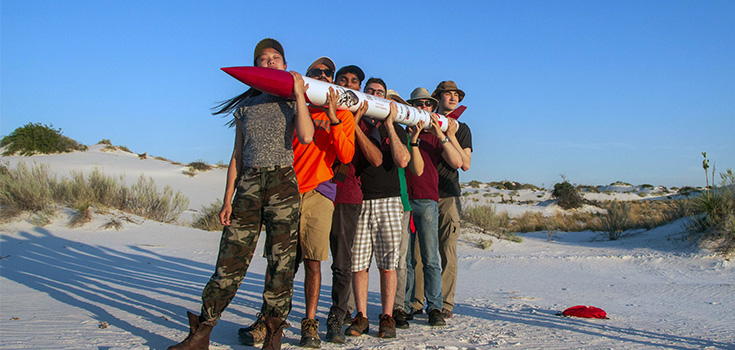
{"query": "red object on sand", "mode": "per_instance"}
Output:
(585, 311)
(271, 81)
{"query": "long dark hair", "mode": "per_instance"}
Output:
(227, 107)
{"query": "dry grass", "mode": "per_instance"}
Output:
(208, 218)
(36, 190)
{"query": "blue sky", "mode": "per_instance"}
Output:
(599, 91)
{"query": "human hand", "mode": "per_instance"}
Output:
(299, 88)
(224, 214)
(392, 114)
(415, 130)
(452, 127)
(361, 111)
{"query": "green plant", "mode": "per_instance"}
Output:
(104, 142)
(208, 217)
(36, 190)
(567, 196)
(616, 220)
(486, 218)
(37, 138)
(200, 165)
(475, 184)
(714, 220)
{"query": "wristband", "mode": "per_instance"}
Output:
(337, 123)
(445, 140)
(415, 144)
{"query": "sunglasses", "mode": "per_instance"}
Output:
(316, 72)
(422, 103)
(371, 91)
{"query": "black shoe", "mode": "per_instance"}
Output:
(334, 329)
(401, 319)
(348, 319)
(436, 319)
(447, 314)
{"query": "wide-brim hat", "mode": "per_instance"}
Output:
(352, 69)
(447, 85)
(393, 95)
(325, 61)
(265, 44)
(420, 93)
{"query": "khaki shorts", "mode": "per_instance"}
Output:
(314, 226)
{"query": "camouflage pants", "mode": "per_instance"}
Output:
(267, 196)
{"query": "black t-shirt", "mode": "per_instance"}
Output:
(448, 177)
(382, 181)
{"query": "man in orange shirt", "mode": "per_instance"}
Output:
(334, 138)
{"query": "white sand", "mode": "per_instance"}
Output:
(60, 286)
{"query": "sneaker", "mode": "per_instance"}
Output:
(387, 327)
(255, 334)
(446, 313)
(310, 333)
(359, 326)
(348, 319)
(401, 318)
(436, 319)
(334, 329)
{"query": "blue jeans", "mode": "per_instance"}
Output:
(425, 218)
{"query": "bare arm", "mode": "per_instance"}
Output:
(232, 171)
(416, 164)
(369, 149)
(398, 150)
(451, 154)
(465, 153)
(304, 125)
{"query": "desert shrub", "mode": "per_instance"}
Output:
(37, 138)
(475, 184)
(145, 200)
(208, 217)
(567, 196)
(36, 190)
(486, 218)
(511, 185)
(200, 165)
(642, 194)
(529, 222)
(104, 142)
(26, 189)
(484, 243)
(616, 220)
(620, 183)
(714, 220)
(81, 217)
(646, 186)
(588, 188)
(687, 191)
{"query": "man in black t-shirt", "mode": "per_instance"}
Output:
(379, 225)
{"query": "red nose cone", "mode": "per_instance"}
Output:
(271, 81)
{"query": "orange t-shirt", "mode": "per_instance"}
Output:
(313, 162)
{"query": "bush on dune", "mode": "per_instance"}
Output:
(37, 138)
(567, 196)
(713, 222)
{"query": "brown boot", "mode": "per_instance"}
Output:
(274, 331)
(198, 338)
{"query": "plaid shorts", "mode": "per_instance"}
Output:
(378, 233)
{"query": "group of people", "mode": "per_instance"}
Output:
(322, 179)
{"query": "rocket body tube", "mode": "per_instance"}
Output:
(280, 83)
